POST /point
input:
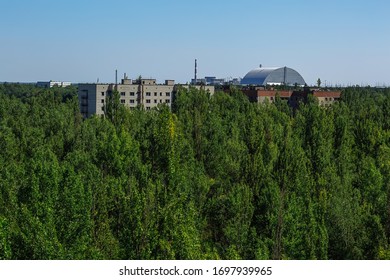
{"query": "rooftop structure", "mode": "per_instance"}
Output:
(263, 76)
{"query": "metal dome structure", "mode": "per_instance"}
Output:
(263, 76)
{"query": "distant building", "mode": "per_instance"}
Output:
(214, 81)
(234, 81)
(293, 97)
(133, 93)
(198, 81)
(51, 84)
(263, 76)
(326, 98)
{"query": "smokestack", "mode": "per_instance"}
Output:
(116, 77)
(196, 70)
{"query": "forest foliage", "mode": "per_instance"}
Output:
(217, 177)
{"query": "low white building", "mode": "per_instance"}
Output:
(51, 84)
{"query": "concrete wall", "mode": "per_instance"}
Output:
(156, 94)
(88, 99)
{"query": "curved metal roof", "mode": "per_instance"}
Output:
(272, 75)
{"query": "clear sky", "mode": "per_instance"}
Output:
(339, 41)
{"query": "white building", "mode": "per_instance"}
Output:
(51, 84)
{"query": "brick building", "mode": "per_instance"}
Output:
(293, 97)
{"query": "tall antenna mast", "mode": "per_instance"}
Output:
(196, 70)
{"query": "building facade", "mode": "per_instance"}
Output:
(141, 92)
(327, 98)
(293, 97)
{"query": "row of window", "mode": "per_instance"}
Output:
(155, 101)
(330, 99)
(131, 93)
(155, 94)
(132, 101)
(296, 98)
(134, 93)
(147, 94)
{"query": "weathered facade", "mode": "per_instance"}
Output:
(144, 92)
(293, 97)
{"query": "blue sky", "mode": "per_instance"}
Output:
(339, 41)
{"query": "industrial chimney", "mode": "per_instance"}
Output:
(196, 70)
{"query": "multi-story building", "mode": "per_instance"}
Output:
(141, 92)
(293, 97)
(326, 98)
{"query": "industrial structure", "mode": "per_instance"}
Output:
(263, 76)
(212, 80)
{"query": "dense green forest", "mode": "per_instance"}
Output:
(217, 177)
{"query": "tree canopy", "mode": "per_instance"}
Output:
(216, 177)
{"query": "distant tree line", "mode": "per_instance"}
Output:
(216, 177)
